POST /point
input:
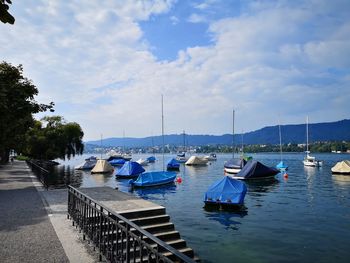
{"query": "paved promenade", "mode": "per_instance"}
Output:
(33, 223)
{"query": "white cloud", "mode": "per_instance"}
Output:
(91, 60)
(196, 18)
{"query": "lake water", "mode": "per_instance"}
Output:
(304, 218)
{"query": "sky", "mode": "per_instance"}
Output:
(106, 64)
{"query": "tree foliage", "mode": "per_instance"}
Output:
(53, 138)
(17, 106)
(5, 16)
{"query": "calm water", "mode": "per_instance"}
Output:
(304, 218)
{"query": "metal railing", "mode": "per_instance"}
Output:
(117, 238)
(40, 172)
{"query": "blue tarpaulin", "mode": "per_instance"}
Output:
(130, 169)
(282, 166)
(151, 159)
(173, 164)
(226, 191)
(154, 178)
(117, 162)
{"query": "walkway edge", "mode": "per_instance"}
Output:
(76, 250)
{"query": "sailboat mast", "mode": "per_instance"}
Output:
(101, 146)
(307, 134)
(163, 131)
(233, 134)
(184, 141)
(279, 129)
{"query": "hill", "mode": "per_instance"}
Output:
(328, 131)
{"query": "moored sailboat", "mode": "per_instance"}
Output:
(310, 160)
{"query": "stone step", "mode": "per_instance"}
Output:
(144, 221)
(143, 213)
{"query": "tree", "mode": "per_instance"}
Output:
(17, 106)
(52, 138)
(5, 16)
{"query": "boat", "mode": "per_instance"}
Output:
(130, 169)
(151, 159)
(196, 160)
(102, 166)
(181, 157)
(234, 165)
(281, 165)
(211, 157)
(342, 167)
(255, 170)
(142, 161)
(310, 160)
(173, 164)
(88, 164)
(127, 156)
(226, 193)
(155, 178)
(117, 162)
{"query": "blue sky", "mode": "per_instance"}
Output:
(105, 64)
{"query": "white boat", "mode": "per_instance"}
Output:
(310, 160)
(181, 157)
(88, 164)
(143, 162)
(211, 157)
(234, 165)
(197, 160)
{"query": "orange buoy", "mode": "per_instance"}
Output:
(285, 175)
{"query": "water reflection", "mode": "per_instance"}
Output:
(227, 219)
(61, 176)
(341, 180)
(256, 187)
(155, 193)
(101, 178)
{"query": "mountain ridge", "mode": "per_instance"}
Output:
(291, 133)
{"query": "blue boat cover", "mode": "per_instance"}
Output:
(151, 159)
(282, 166)
(256, 170)
(154, 178)
(235, 163)
(116, 162)
(130, 169)
(173, 163)
(226, 191)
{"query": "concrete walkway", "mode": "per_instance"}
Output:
(33, 222)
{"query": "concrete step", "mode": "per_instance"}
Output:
(158, 228)
(144, 213)
(144, 221)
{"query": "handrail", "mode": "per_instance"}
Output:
(38, 166)
(113, 217)
(41, 178)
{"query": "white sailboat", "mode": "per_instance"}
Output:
(309, 160)
(234, 165)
